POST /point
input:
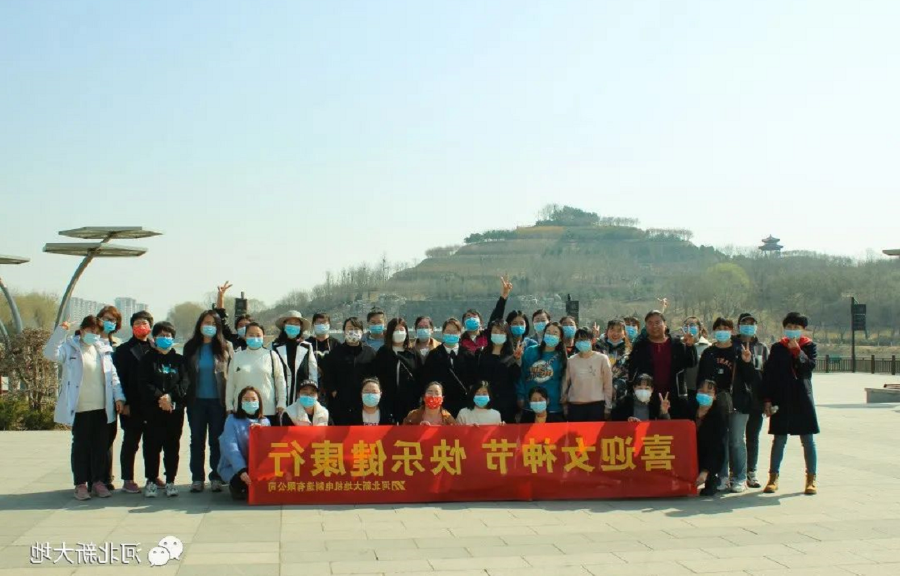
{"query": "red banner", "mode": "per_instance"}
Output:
(393, 464)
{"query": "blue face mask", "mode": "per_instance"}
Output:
(90, 338)
(242, 331)
(632, 332)
(704, 399)
(208, 330)
(451, 339)
(538, 407)
(376, 328)
(517, 330)
(539, 326)
(723, 336)
(322, 329)
(481, 401)
(551, 341)
(292, 331)
(164, 342)
(250, 406)
(423, 334)
(583, 345)
(472, 323)
(307, 401)
(371, 400)
(498, 339)
(748, 330)
(569, 331)
(614, 343)
(254, 343)
(109, 326)
(692, 329)
(793, 334)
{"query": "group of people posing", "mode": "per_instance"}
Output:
(516, 368)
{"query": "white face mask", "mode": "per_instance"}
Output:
(643, 395)
(399, 336)
(353, 336)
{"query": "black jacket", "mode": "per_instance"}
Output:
(398, 372)
(323, 348)
(385, 417)
(735, 379)
(760, 355)
(625, 409)
(457, 379)
(502, 372)
(552, 417)
(160, 374)
(127, 360)
(711, 432)
(640, 361)
(343, 371)
(787, 383)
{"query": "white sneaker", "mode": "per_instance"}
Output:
(171, 490)
(215, 485)
(724, 484)
(738, 487)
(150, 489)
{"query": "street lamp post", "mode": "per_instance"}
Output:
(14, 310)
(90, 250)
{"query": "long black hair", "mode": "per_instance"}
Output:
(560, 349)
(507, 349)
(219, 346)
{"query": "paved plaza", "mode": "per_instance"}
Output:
(851, 527)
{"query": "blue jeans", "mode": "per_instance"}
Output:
(206, 417)
(754, 427)
(809, 453)
(736, 448)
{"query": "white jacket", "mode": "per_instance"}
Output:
(67, 352)
(299, 417)
(261, 369)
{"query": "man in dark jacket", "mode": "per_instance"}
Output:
(163, 382)
(731, 368)
(343, 371)
(788, 398)
(126, 359)
(759, 355)
(665, 358)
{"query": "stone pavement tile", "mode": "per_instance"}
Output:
(580, 528)
(463, 541)
(420, 523)
(730, 564)
(591, 547)
(376, 566)
(267, 534)
(888, 543)
(546, 520)
(229, 570)
(664, 556)
(219, 558)
(57, 536)
(302, 554)
(306, 569)
(422, 533)
(422, 553)
(687, 543)
(495, 531)
(370, 526)
(593, 558)
(556, 571)
(215, 548)
(707, 532)
(628, 535)
(647, 569)
(752, 551)
(522, 550)
(366, 544)
(825, 535)
(873, 569)
(122, 536)
(538, 539)
(55, 571)
(288, 535)
(821, 571)
(437, 573)
(478, 563)
(762, 539)
(170, 569)
(724, 521)
(839, 546)
(879, 556)
(819, 560)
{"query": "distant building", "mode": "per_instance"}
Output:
(78, 308)
(127, 306)
(771, 245)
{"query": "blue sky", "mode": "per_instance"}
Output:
(272, 141)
